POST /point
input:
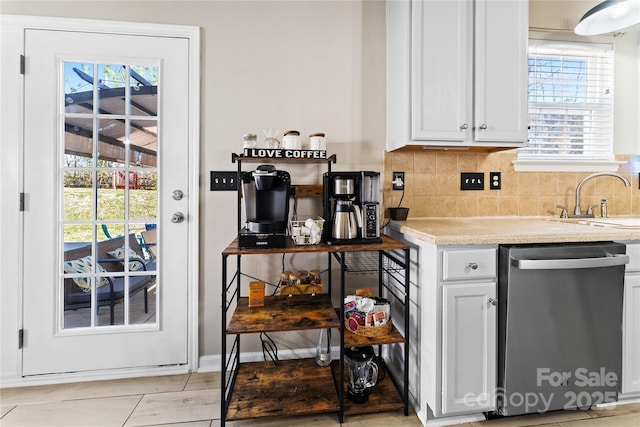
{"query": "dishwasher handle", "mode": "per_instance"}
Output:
(558, 264)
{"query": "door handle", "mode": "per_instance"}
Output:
(177, 195)
(177, 217)
(557, 264)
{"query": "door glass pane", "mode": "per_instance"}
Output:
(78, 141)
(144, 90)
(111, 88)
(111, 194)
(110, 206)
(143, 142)
(78, 87)
(78, 195)
(143, 198)
(111, 134)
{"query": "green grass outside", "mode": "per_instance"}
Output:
(78, 206)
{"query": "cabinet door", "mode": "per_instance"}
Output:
(500, 111)
(631, 334)
(441, 70)
(468, 348)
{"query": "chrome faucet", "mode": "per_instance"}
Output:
(578, 212)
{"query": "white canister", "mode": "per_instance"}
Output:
(291, 140)
(317, 141)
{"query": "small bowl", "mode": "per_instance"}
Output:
(399, 214)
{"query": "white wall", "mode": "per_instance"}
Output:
(314, 66)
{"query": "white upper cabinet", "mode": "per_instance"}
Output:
(457, 73)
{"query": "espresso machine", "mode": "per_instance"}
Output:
(265, 192)
(352, 208)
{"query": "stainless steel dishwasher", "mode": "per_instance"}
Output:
(559, 326)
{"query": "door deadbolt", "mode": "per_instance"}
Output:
(178, 194)
(177, 217)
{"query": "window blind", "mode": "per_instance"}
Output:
(570, 95)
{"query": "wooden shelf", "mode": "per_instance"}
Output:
(382, 397)
(293, 387)
(307, 312)
(241, 158)
(352, 340)
(388, 243)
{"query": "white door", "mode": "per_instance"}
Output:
(106, 147)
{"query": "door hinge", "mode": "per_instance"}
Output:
(21, 202)
(22, 64)
(20, 339)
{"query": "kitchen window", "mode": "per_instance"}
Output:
(570, 95)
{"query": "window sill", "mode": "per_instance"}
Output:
(566, 165)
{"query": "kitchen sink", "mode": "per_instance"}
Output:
(623, 222)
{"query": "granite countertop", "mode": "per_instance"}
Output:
(504, 230)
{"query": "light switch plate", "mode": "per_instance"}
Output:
(471, 180)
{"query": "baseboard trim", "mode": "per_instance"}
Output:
(74, 377)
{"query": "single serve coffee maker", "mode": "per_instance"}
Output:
(265, 192)
(362, 372)
(352, 208)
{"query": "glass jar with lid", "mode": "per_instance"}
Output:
(250, 140)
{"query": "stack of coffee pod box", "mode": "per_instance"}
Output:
(300, 282)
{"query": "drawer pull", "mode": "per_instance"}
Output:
(472, 265)
(493, 301)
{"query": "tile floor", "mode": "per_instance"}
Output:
(193, 400)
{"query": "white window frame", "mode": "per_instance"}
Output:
(576, 164)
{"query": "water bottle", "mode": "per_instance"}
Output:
(323, 349)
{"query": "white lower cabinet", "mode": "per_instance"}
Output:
(454, 351)
(469, 328)
(631, 324)
(468, 347)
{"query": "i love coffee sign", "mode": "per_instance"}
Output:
(285, 154)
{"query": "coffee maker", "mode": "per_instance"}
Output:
(351, 206)
(265, 194)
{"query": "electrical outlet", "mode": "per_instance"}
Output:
(398, 180)
(471, 180)
(224, 181)
(495, 181)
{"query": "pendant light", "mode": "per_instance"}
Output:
(609, 16)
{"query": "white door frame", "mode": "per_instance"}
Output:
(11, 185)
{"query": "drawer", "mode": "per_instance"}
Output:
(468, 264)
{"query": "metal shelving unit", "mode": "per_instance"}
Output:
(295, 387)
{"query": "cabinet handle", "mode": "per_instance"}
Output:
(483, 126)
(473, 265)
(464, 126)
(493, 301)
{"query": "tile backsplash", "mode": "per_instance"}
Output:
(432, 186)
